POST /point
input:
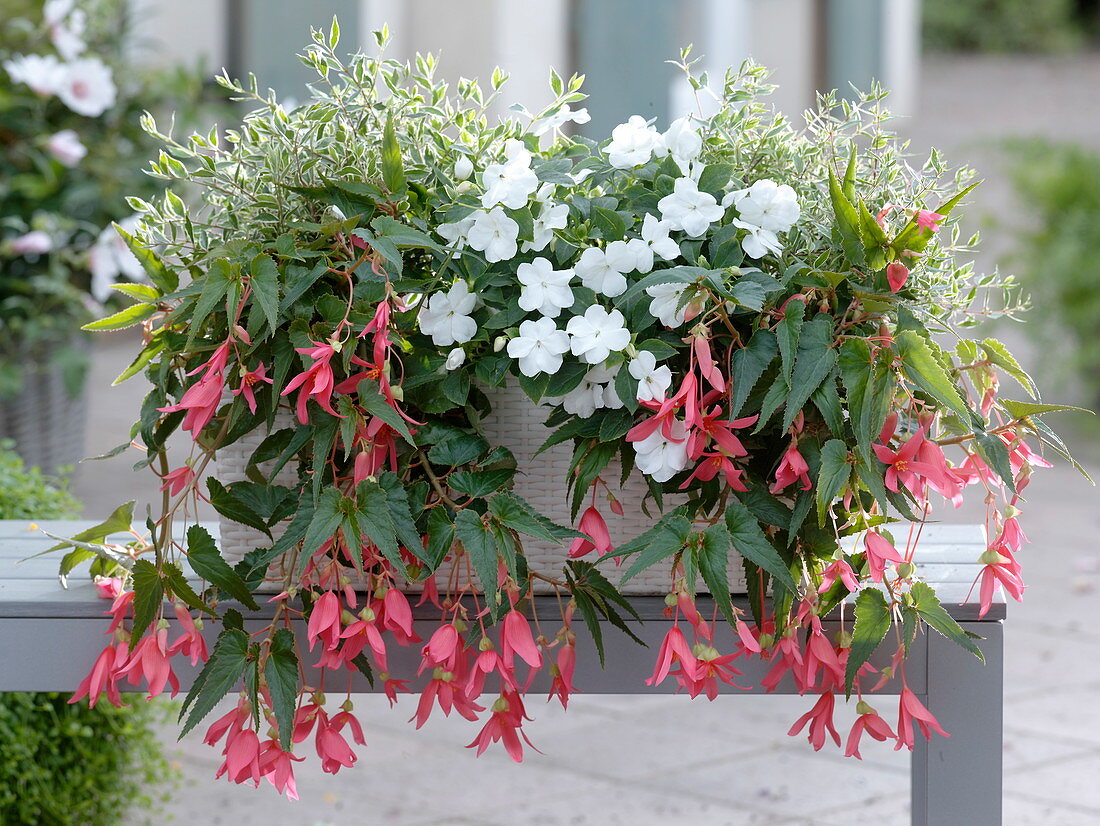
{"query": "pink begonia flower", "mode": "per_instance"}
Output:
(789, 660)
(488, 661)
(316, 382)
(446, 688)
(191, 644)
(107, 587)
(896, 275)
(820, 655)
(396, 615)
(711, 465)
(200, 401)
(869, 722)
(674, 650)
(150, 660)
(708, 368)
(838, 569)
(443, 648)
(104, 676)
(242, 758)
(278, 767)
(505, 725)
(911, 710)
(178, 480)
(357, 636)
(516, 639)
(792, 468)
(562, 669)
(926, 219)
(709, 669)
(324, 621)
(597, 537)
(904, 466)
(820, 718)
(879, 552)
(248, 384)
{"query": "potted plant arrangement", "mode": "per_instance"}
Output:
(722, 343)
(69, 138)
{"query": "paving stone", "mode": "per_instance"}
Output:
(1070, 782)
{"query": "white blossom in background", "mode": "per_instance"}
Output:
(539, 347)
(767, 205)
(109, 257)
(759, 241)
(455, 359)
(682, 142)
(632, 143)
(512, 182)
(495, 234)
(446, 316)
(66, 148)
(87, 87)
(665, 305)
(464, 168)
(544, 289)
(66, 27)
(550, 218)
(688, 209)
(595, 392)
(456, 233)
(35, 242)
(596, 272)
(655, 237)
(43, 73)
(597, 334)
(653, 381)
(662, 458)
(558, 118)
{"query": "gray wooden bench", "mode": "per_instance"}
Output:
(50, 636)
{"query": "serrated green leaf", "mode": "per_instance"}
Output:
(921, 367)
(393, 173)
(148, 597)
(165, 279)
(265, 287)
(134, 314)
(750, 541)
(517, 514)
(713, 560)
(666, 538)
(748, 365)
(927, 605)
(832, 477)
(221, 673)
(816, 360)
(997, 353)
(872, 623)
(179, 588)
(481, 546)
(206, 562)
(847, 222)
(233, 508)
(1021, 410)
(787, 333)
(281, 673)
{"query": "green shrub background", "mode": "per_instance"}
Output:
(69, 765)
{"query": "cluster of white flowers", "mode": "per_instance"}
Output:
(446, 317)
(765, 209)
(661, 457)
(84, 84)
(595, 392)
(635, 142)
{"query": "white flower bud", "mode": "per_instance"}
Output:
(500, 343)
(455, 358)
(464, 168)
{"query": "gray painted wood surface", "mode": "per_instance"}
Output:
(51, 635)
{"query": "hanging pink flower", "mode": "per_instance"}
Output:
(868, 721)
(896, 275)
(249, 380)
(316, 382)
(178, 480)
(879, 552)
(792, 468)
(926, 219)
(910, 711)
(820, 718)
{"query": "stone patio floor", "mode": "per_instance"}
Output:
(651, 760)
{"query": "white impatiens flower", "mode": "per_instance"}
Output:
(446, 316)
(35, 242)
(625, 256)
(87, 87)
(455, 359)
(558, 118)
(495, 234)
(597, 334)
(595, 392)
(767, 205)
(457, 233)
(759, 242)
(545, 289)
(43, 73)
(109, 257)
(654, 240)
(596, 272)
(552, 217)
(512, 182)
(653, 381)
(689, 209)
(632, 143)
(539, 347)
(66, 147)
(661, 458)
(665, 305)
(683, 142)
(464, 168)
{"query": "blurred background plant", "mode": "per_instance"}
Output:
(1045, 27)
(1058, 188)
(70, 765)
(71, 150)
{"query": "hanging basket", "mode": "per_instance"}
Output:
(517, 424)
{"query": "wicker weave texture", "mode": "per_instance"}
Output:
(45, 421)
(517, 424)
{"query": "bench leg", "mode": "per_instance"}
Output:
(957, 780)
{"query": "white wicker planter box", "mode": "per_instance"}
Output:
(517, 425)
